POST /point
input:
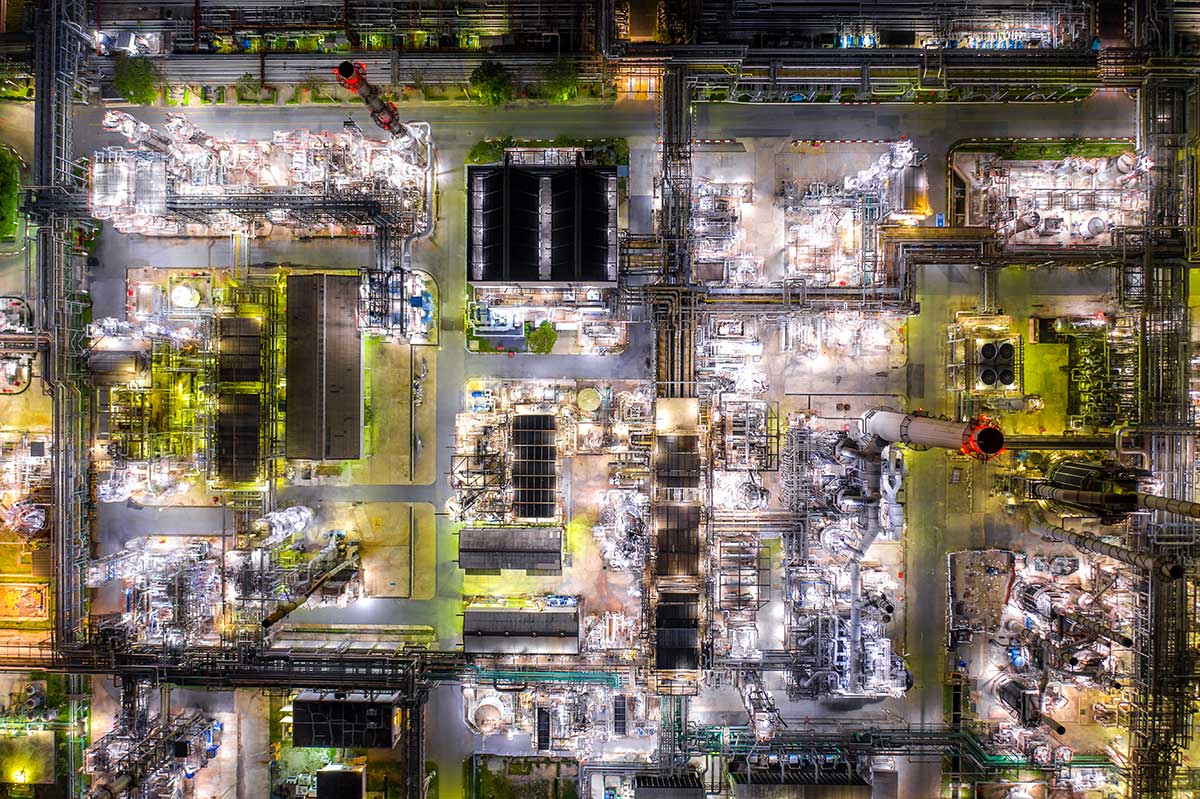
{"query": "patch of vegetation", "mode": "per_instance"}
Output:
(562, 81)
(607, 152)
(492, 84)
(1018, 150)
(541, 339)
(137, 79)
(10, 192)
(252, 90)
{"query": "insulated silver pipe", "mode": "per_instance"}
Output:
(1096, 628)
(1159, 564)
(1095, 499)
(972, 438)
(1180, 507)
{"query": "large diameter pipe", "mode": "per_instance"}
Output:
(971, 438)
(111, 790)
(279, 613)
(1096, 628)
(1055, 726)
(1158, 564)
(1180, 507)
(1088, 499)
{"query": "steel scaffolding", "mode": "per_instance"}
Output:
(61, 299)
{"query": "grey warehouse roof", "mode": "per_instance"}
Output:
(529, 548)
(324, 368)
(552, 631)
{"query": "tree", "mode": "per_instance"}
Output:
(249, 87)
(491, 83)
(418, 79)
(137, 79)
(562, 81)
(541, 339)
(312, 83)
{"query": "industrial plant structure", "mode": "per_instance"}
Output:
(601, 398)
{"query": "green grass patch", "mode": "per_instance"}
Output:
(267, 97)
(10, 192)
(607, 152)
(1018, 150)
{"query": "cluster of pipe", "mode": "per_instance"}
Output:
(145, 760)
(174, 590)
(1110, 488)
(337, 556)
(353, 77)
(862, 499)
(874, 178)
(27, 704)
(280, 525)
(24, 518)
(760, 707)
(1161, 565)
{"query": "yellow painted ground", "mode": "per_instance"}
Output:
(425, 418)
(388, 429)
(398, 546)
(31, 410)
(390, 442)
(424, 548)
(1044, 376)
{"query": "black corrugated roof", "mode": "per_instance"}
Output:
(529, 548)
(237, 443)
(504, 247)
(324, 368)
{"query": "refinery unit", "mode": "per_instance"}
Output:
(806, 408)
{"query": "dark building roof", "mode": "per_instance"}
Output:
(540, 223)
(237, 438)
(677, 535)
(551, 631)
(795, 791)
(668, 786)
(529, 548)
(535, 466)
(239, 341)
(351, 720)
(677, 631)
(341, 783)
(677, 461)
(324, 368)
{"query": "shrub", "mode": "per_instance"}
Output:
(137, 79)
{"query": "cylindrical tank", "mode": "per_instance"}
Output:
(1019, 224)
(489, 715)
(978, 439)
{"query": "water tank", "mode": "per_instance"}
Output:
(489, 715)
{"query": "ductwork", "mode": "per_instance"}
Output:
(978, 439)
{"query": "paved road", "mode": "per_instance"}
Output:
(453, 123)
